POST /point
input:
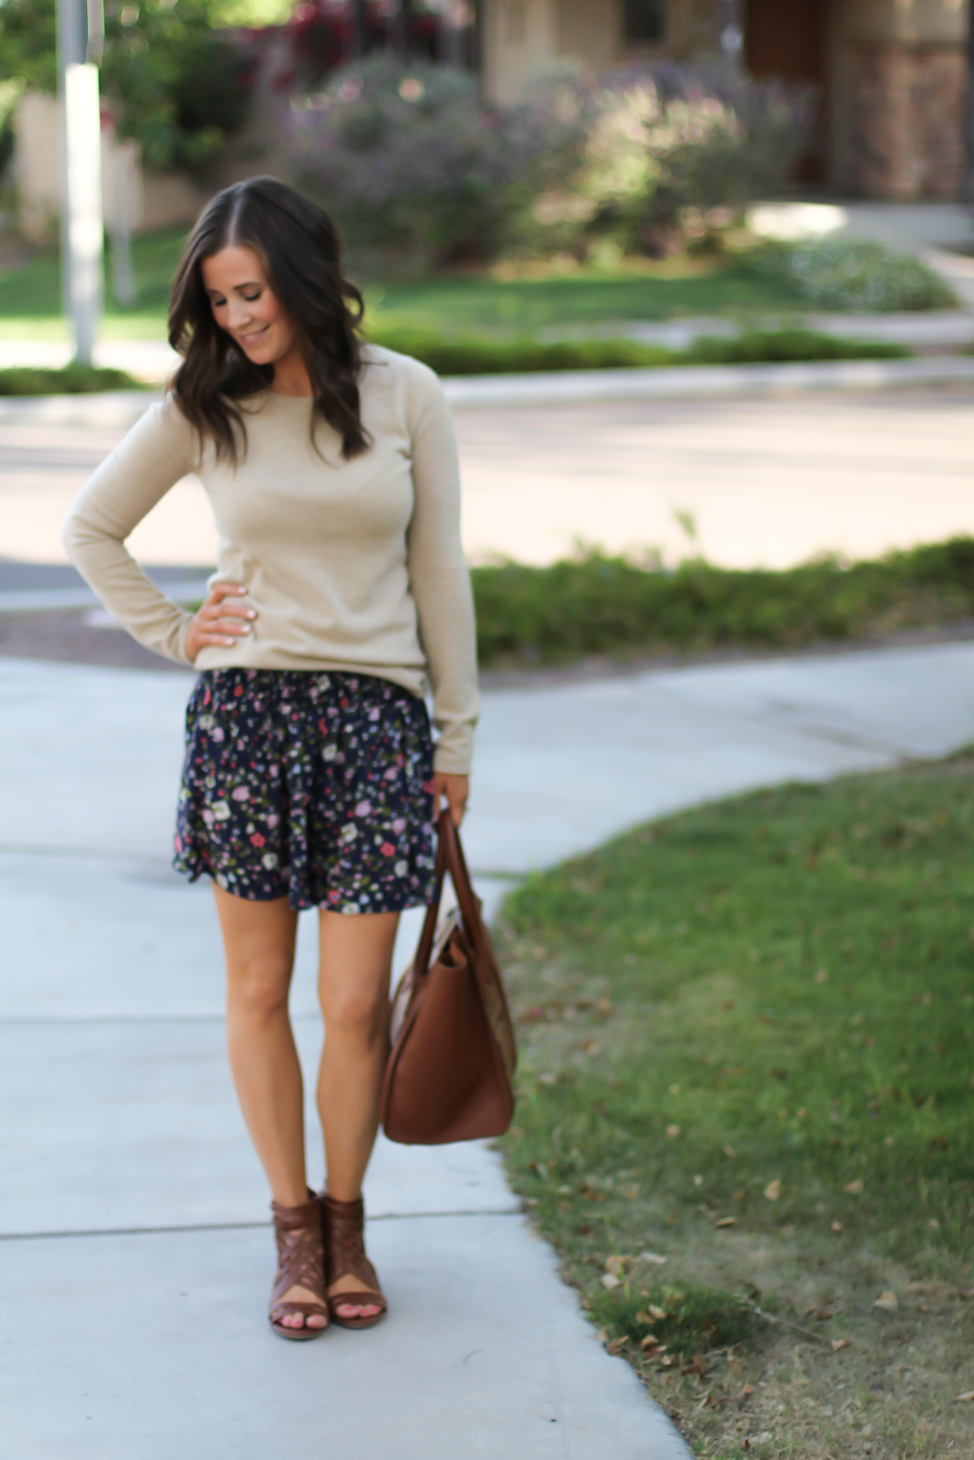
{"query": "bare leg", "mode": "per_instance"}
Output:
(355, 960)
(259, 940)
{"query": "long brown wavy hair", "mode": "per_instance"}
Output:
(301, 251)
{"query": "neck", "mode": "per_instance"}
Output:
(291, 376)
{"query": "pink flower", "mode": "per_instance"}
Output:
(387, 849)
(399, 825)
(391, 773)
(273, 820)
(257, 840)
(375, 714)
(334, 896)
(238, 691)
(363, 808)
(240, 793)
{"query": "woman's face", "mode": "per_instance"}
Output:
(245, 305)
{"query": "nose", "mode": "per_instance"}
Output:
(238, 313)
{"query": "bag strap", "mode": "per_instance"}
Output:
(449, 858)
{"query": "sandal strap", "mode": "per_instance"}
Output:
(344, 1223)
(300, 1256)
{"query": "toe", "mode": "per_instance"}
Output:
(316, 1320)
(292, 1320)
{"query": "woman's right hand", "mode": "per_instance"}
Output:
(221, 620)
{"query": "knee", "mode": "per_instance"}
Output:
(257, 988)
(356, 1019)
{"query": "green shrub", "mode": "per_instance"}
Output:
(72, 380)
(854, 274)
(479, 355)
(599, 605)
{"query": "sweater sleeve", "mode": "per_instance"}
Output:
(439, 578)
(155, 454)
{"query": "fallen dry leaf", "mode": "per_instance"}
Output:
(657, 1313)
(672, 1131)
(854, 1188)
(649, 1342)
(772, 1191)
(836, 1226)
(965, 1398)
(887, 1301)
(653, 1257)
(965, 1292)
(726, 1222)
(729, 1151)
(617, 1265)
(840, 1343)
(609, 1280)
(747, 1390)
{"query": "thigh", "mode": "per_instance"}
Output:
(258, 938)
(355, 959)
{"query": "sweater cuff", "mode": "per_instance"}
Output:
(453, 752)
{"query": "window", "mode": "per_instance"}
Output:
(645, 20)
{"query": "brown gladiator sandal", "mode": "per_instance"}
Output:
(344, 1254)
(300, 1263)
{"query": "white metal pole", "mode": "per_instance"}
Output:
(85, 230)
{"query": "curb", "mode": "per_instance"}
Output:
(117, 410)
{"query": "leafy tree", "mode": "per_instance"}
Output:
(176, 86)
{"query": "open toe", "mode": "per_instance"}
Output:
(344, 1225)
(300, 1267)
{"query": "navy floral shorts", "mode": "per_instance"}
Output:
(308, 785)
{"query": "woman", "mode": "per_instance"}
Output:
(310, 778)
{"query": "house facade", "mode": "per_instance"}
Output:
(893, 75)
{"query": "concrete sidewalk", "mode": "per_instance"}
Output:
(134, 1252)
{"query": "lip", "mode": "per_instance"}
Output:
(253, 339)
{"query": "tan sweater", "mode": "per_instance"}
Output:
(353, 566)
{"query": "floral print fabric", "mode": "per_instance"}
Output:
(308, 785)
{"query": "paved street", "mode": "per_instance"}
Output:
(134, 1253)
(764, 481)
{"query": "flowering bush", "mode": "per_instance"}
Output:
(416, 168)
(668, 149)
(855, 274)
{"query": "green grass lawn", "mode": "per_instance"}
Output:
(747, 1048)
(30, 300)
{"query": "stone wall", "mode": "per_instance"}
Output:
(907, 121)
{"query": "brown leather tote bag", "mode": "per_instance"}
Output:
(449, 1076)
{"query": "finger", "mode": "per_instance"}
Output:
(458, 805)
(232, 609)
(225, 590)
(219, 641)
(217, 625)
